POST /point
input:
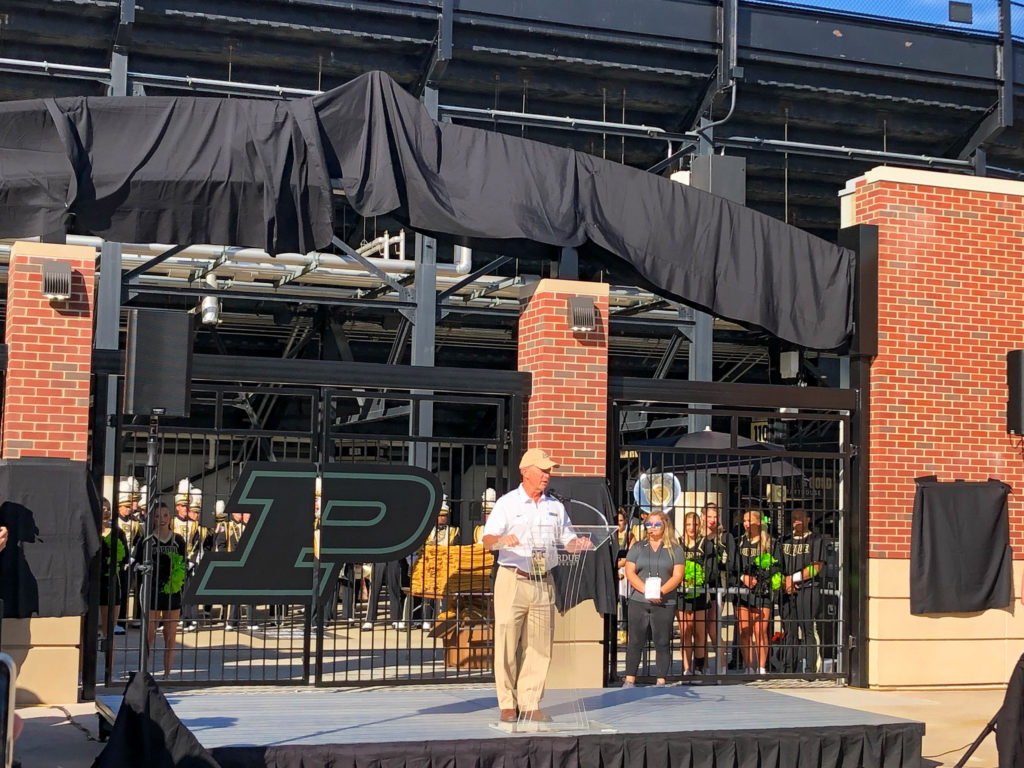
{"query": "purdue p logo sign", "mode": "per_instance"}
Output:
(369, 514)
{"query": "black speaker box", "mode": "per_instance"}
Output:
(158, 363)
(1015, 385)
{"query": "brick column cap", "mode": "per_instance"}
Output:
(54, 251)
(575, 287)
(940, 179)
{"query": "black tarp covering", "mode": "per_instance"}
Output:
(147, 733)
(51, 510)
(680, 242)
(166, 170)
(252, 173)
(889, 746)
(587, 501)
(960, 557)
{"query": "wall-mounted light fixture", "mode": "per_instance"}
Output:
(582, 314)
(56, 284)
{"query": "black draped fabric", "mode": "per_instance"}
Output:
(960, 557)
(258, 173)
(147, 733)
(167, 170)
(889, 746)
(51, 510)
(1010, 721)
(587, 501)
(682, 243)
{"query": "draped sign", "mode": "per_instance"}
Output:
(960, 558)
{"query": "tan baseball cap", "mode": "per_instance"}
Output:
(536, 457)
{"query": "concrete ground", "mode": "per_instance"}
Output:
(64, 737)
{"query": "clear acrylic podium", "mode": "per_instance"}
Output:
(546, 551)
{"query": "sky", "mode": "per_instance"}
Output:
(986, 12)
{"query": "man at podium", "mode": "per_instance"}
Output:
(527, 527)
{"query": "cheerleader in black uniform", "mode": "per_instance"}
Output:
(722, 544)
(169, 563)
(755, 565)
(699, 567)
(114, 550)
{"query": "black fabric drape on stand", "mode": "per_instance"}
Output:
(147, 733)
(587, 501)
(51, 510)
(960, 557)
(1010, 721)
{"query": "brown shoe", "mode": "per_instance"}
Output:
(537, 716)
(508, 716)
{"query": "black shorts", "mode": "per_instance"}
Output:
(161, 601)
(696, 603)
(754, 601)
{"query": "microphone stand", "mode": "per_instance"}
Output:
(146, 569)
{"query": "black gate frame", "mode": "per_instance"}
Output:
(659, 392)
(442, 383)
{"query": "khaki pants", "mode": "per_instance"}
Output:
(524, 609)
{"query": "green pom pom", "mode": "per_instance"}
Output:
(176, 579)
(765, 561)
(776, 580)
(693, 577)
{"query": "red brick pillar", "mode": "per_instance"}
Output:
(567, 411)
(46, 414)
(49, 356)
(950, 303)
(567, 415)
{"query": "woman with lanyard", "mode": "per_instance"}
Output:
(756, 566)
(699, 567)
(169, 563)
(722, 543)
(654, 568)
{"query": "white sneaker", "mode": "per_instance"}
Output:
(253, 627)
(367, 625)
(191, 627)
(229, 627)
(398, 624)
(426, 625)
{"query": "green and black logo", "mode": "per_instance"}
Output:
(369, 514)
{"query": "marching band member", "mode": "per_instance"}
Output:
(487, 500)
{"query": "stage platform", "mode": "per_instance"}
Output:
(454, 726)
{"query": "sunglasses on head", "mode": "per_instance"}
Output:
(652, 525)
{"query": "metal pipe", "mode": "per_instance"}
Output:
(205, 84)
(26, 66)
(563, 123)
(852, 153)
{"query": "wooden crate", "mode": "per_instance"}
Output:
(470, 648)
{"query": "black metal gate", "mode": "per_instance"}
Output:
(461, 425)
(783, 453)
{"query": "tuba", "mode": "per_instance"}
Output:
(656, 491)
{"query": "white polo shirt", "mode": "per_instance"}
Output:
(539, 527)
